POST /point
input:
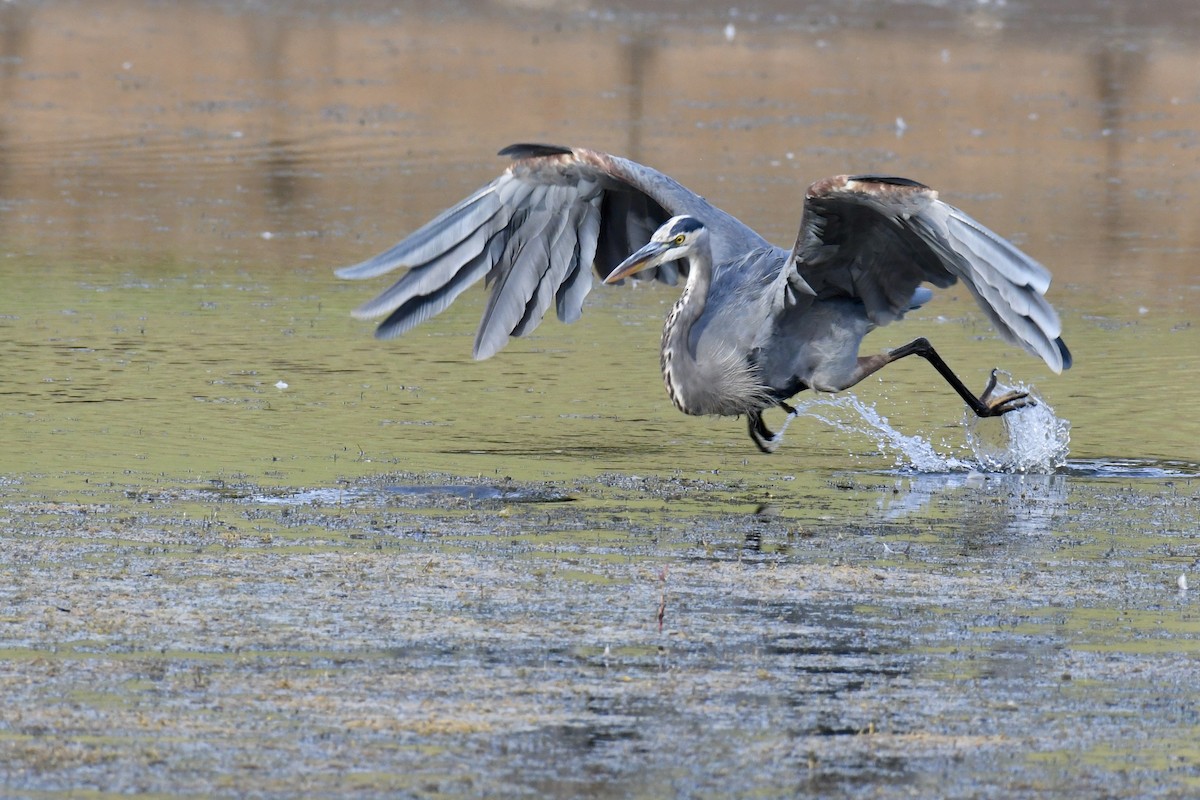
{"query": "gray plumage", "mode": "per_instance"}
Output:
(755, 323)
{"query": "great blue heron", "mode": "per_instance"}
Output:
(755, 323)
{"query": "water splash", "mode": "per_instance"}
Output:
(1031, 440)
(911, 452)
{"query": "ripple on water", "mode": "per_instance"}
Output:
(1130, 468)
(432, 493)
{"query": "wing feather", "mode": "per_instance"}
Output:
(878, 238)
(426, 278)
(415, 310)
(429, 241)
(523, 265)
(578, 282)
(534, 235)
(560, 239)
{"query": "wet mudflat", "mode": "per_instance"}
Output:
(876, 634)
(246, 550)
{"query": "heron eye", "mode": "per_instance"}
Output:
(680, 239)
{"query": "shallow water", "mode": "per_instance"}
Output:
(249, 549)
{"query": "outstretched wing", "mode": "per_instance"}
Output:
(535, 234)
(878, 238)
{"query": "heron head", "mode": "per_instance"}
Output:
(674, 240)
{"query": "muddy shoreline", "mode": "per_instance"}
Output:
(450, 637)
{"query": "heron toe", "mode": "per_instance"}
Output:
(1010, 401)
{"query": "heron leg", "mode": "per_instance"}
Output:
(984, 405)
(761, 435)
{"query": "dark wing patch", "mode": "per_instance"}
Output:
(877, 238)
(852, 245)
(533, 150)
(628, 220)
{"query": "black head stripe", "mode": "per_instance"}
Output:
(686, 225)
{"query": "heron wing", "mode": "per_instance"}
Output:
(535, 234)
(878, 238)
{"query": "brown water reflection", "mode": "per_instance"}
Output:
(1071, 127)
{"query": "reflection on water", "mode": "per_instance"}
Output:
(1018, 504)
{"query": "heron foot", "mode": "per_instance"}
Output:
(998, 406)
(761, 435)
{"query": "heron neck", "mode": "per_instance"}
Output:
(678, 357)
